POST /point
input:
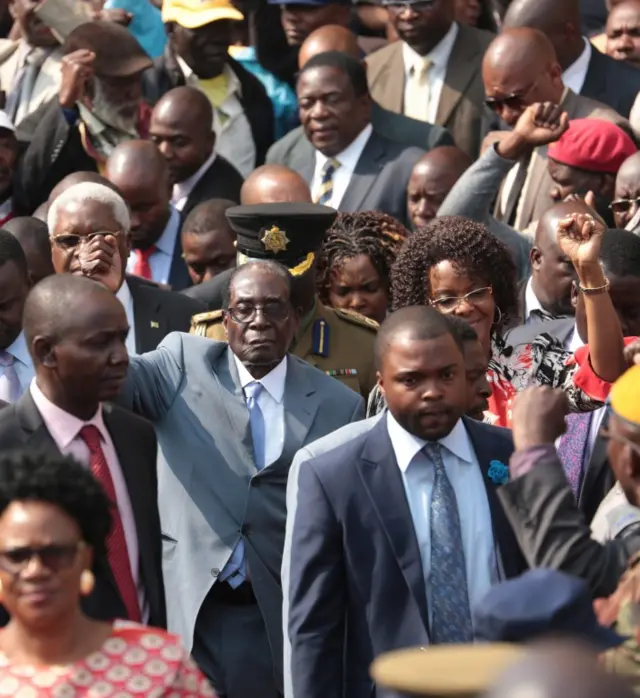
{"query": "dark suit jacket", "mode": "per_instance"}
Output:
(614, 83)
(22, 427)
(379, 181)
(356, 580)
(157, 312)
(461, 106)
(166, 74)
(220, 181)
(402, 129)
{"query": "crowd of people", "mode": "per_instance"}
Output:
(320, 348)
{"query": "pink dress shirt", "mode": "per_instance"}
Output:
(64, 429)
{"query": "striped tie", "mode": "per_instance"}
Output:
(325, 192)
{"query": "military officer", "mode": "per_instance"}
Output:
(338, 342)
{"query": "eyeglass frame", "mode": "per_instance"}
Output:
(55, 238)
(72, 549)
(607, 435)
(635, 200)
(492, 103)
(401, 6)
(459, 299)
(230, 311)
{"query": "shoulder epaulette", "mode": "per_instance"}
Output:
(201, 321)
(357, 319)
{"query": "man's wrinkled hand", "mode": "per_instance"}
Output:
(100, 260)
(77, 70)
(538, 417)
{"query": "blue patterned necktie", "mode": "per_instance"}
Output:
(573, 446)
(325, 192)
(450, 612)
(256, 420)
(10, 389)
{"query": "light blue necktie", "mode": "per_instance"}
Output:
(10, 389)
(235, 571)
(450, 612)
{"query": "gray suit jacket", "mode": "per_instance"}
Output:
(379, 182)
(210, 493)
(472, 196)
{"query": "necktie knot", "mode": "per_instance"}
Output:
(6, 359)
(329, 167)
(90, 434)
(253, 390)
(433, 451)
(421, 69)
(144, 255)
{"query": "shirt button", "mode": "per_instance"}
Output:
(215, 572)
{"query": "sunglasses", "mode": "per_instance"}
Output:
(70, 242)
(515, 101)
(55, 557)
(624, 205)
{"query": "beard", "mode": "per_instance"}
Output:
(117, 116)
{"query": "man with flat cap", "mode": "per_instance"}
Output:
(338, 342)
(99, 106)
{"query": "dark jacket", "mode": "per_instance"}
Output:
(614, 83)
(220, 181)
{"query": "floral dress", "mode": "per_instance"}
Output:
(133, 662)
(543, 362)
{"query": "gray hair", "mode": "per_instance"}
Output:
(90, 191)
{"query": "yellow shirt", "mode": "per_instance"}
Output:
(216, 90)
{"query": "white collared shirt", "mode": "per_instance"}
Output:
(162, 258)
(439, 57)
(348, 160)
(463, 471)
(575, 75)
(125, 297)
(234, 138)
(271, 403)
(23, 364)
(531, 301)
(182, 190)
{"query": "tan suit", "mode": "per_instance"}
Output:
(47, 84)
(461, 104)
(530, 195)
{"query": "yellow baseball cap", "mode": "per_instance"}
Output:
(192, 14)
(445, 671)
(624, 395)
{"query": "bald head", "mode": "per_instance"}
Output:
(331, 37)
(136, 161)
(432, 178)
(78, 178)
(182, 128)
(271, 184)
(558, 670)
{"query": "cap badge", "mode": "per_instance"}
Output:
(275, 240)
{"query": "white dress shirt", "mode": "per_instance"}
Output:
(348, 160)
(162, 258)
(531, 301)
(575, 75)
(125, 297)
(439, 57)
(64, 429)
(182, 190)
(23, 364)
(463, 471)
(271, 403)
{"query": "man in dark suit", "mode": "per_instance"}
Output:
(393, 536)
(88, 209)
(181, 127)
(348, 165)
(197, 54)
(75, 331)
(433, 73)
(586, 71)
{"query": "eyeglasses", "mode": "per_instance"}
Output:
(54, 557)
(244, 313)
(70, 241)
(514, 101)
(607, 435)
(415, 5)
(450, 303)
(624, 205)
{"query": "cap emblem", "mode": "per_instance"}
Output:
(275, 240)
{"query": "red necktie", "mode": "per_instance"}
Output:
(142, 267)
(116, 542)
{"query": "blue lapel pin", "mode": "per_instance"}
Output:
(498, 472)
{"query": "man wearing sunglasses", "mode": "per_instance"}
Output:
(626, 198)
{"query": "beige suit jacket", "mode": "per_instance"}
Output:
(530, 198)
(462, 100)
(47, 83)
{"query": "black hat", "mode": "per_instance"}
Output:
(285, 232)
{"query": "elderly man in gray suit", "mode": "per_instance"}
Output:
(229, 419)
(347, 163)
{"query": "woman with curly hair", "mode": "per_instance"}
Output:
(354, 265)
(458, 267)
(54, 522)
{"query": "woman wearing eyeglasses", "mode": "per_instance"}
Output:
(54, 519)
(457, 266)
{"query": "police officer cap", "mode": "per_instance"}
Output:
(289, 233)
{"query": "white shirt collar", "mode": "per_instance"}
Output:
(18, 349)
(406, 445)
(273, 382)
(531, 300)
(439, 54)
(123, 294)
(233, 83)
(167, 241)
(349, 157)
(182, 190)
(575, 75)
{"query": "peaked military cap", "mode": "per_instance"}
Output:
(289, 233)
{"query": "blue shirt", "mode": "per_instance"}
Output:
(23, 364)
(162, 258)
(463, 471)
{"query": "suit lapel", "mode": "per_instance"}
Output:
(303, 158)
(598, 461)
(392, 92)
(36, 433)
(383, 481)
(365, 174)
(532, 185)
(148, 320)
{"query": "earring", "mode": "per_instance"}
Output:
(87, 582)
(499, 320)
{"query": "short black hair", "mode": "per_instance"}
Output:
(60, 480)
(462, 329)
(620, 252)
(11, 251)
(470, 247)
(207, 216)
(274, 268)
(31, 231)
(420, 321)
(351, 67)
